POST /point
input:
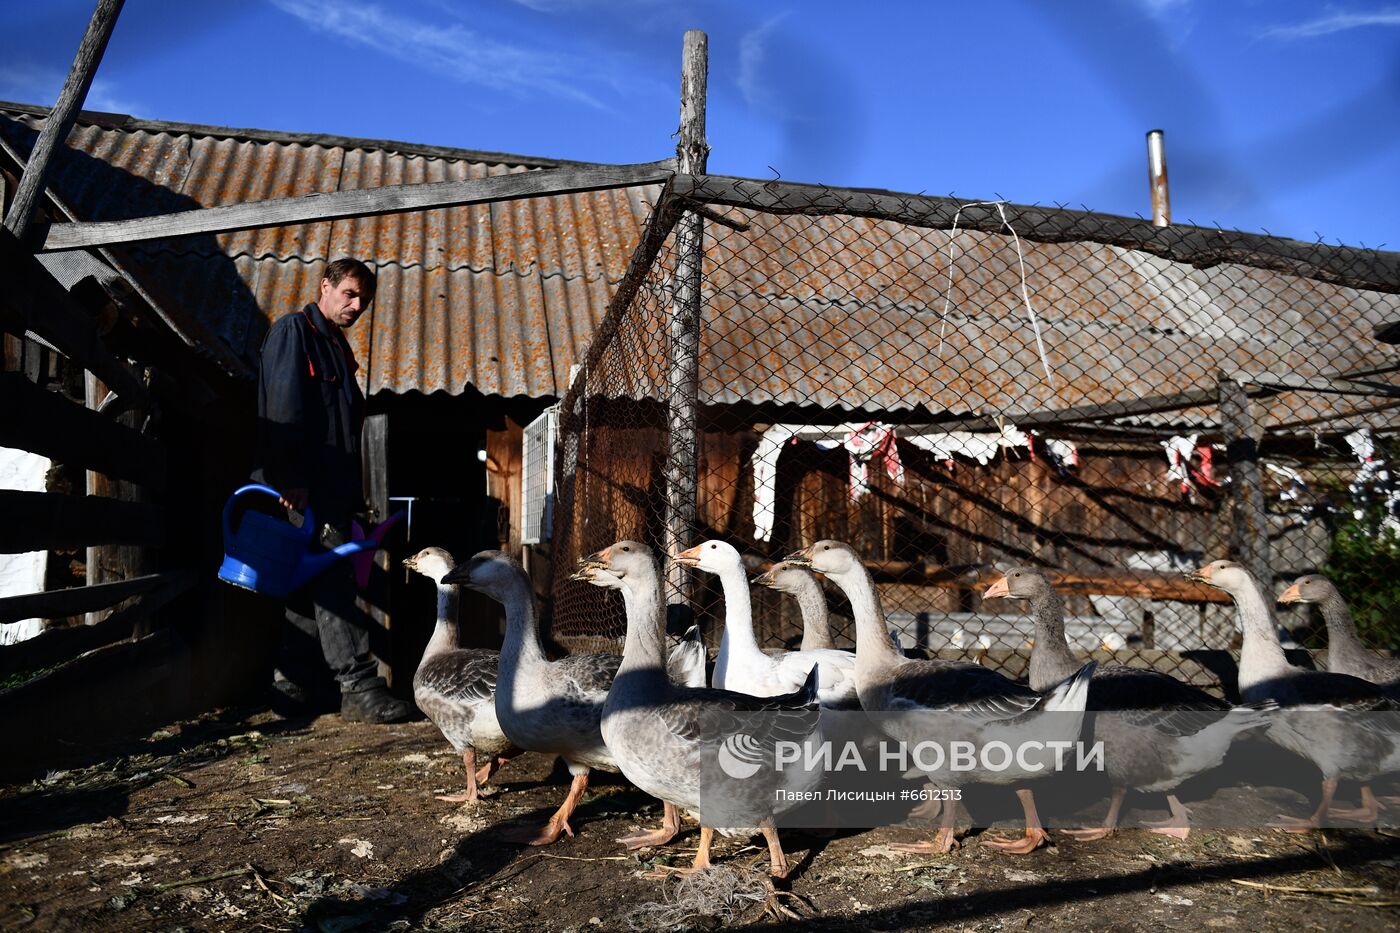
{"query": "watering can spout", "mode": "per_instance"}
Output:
(269, 555)
(314, 564)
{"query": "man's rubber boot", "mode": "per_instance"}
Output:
(375, 705)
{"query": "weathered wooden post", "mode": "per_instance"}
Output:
(61, 118)
(682, 455)
(1249, 528)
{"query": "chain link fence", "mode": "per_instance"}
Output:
(955, 388)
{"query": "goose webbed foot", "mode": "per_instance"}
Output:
(701, 863)
(670, 825)
(473, 791)
(547, 834)
(1369, 812)
(942, 843)
(1177, 826)
(1292, 824)
(1110, 822)
(1034, 838)
(1090, 835)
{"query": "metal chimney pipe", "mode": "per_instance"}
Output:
(1157, 178)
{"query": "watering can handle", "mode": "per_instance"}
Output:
(309, 517)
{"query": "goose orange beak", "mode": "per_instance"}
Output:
(596, 561)
(1199, 575)
(764, 579)
(998, 590)
(690, 557)
(1291, 595)
(802, 558)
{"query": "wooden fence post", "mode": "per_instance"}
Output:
(1249, 531)
(682, 457)
(62, 116)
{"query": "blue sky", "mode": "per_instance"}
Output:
(1282, 116)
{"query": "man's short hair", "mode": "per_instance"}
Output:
(351, 268)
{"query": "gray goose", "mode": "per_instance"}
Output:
(1346, 745)
(657, 729)
(456, 687)
(991, 707)
(1345, 652)
(802, 586)
(1157, 731)
(553, 707)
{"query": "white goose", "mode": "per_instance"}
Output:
(991, 707)
(658, 730)
(1340, 734)
(456, 687)
(740, 664)
(554, 707)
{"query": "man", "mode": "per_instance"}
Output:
(310, 412)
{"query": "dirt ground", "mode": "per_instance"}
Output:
(242, 821)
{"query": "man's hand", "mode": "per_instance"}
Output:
(294, 498)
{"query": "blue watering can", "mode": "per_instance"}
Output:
(271, 555)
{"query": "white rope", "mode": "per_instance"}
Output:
(1025, 292)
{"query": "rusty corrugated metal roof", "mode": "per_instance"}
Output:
(505, 298)
(500, 297)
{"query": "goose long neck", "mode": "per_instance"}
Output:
(738, 613)
(873, 644)
(816, 620)
(1051, 659)
(445, 635)
(522, 641)
(644, 650)
(1343, 642)
(1261, 656)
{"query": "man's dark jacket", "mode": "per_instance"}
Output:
(310, 412)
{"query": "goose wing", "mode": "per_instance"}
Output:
(959, 687)
(467, 676)
(1153, 700)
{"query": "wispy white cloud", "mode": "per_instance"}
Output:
(451, 50)
(753, 56)
(1336, 21)
(33, 84)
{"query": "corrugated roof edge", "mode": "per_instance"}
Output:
(122, 121)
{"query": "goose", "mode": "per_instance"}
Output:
(802, 586)
(1345, 652)
(1158, 732)
(554, 707)
(1343, 745)
(740, 665)
(962, 640)
(992, 707)
(456, 687)
(656, 729)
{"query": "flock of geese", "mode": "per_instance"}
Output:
(642, 714)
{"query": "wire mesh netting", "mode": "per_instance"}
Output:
(957, 388)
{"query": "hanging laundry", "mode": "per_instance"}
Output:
(765, 475)
(872, 441)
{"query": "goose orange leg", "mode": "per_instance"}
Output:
(558, 823)
(670, 825)
(1110, 820)
(701, 863)
(473, 792)
(1292, 824)
(1178, 825)
(484, 773)
(1035, 836)
(1368, 812)
(943, 841)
